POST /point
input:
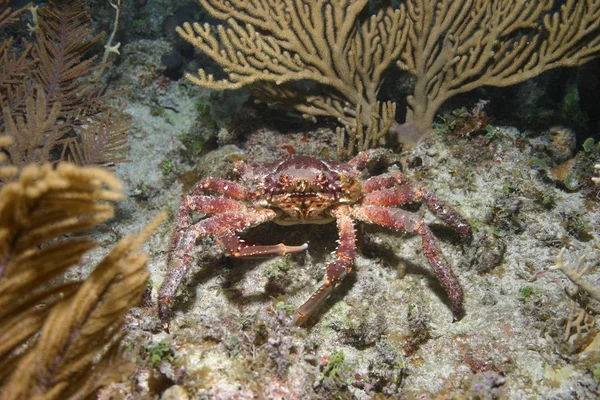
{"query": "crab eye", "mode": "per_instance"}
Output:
(321, 180)
(284, 179)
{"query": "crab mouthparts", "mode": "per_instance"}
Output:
(303, 187)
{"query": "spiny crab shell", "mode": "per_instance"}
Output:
(303, 188)
(306, 190)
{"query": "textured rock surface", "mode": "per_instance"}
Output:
(388, 329)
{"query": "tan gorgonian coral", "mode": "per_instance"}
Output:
(59, 337)
(450, 47)
(457, 46)
(270, 43)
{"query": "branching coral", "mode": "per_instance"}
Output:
(576, 274)
(270, 43)
(52, 103)
(59, 337)
(456, 46)
(450, 46)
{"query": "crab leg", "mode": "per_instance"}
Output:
(391, 197)
(202, 204)
(337, 270)
(361, 160)
(410, 193)
(222, 186)
(383, 181)
(184, 240)
(405, 221)
(448, 214)
(209, 205)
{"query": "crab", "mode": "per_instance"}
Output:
(306, 190)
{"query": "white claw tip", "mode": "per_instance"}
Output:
(304, 246)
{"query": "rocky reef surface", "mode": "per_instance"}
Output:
(388, 331)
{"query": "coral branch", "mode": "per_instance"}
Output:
(450, 46)
(270, 43)
(455, 47)
(59, 337)
(576, 274)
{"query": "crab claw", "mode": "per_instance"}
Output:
(235, 248)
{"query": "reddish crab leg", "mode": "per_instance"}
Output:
(390, 197)
(337, 270)
(222, 186)
(410, 193)
(201, 204)
(405, 221)
(236, 248)
(361, 160)
(448, 214)
(184, 240)
(383, 181)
